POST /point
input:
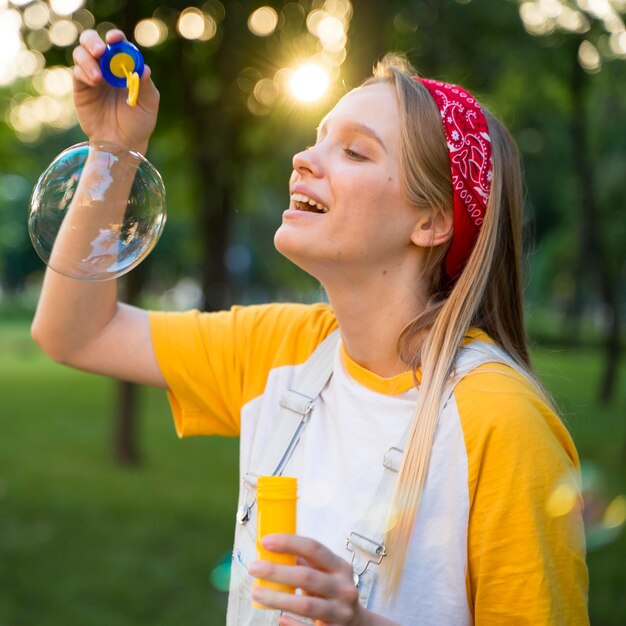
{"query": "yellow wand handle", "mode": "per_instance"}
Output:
(132, 84)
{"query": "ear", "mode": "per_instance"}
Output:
(432, 229)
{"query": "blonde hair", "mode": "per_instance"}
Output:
(487, 294)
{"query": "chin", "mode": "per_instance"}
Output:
(291, 246)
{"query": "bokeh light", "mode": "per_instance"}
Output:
(617, 43)
(29, 63)
(589, 57)
(194, 24)
(66, 7)
(309, 82)
(330, 31)
(84, 19)
(572, 20)
(313, 20)
(263, 21)
(63, 33)
(604, 515)
(562, 500)
(39, 40)
(57, 81)
(36, 15)
(150, 32)
(215, 9)
(615, 513)
(266, 92)
(10, 44)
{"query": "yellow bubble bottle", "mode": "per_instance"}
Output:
(276, 498)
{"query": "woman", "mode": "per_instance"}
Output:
(407, 209)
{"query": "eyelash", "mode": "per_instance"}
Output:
(351, 154)
(354, 155)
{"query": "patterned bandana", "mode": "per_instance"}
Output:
(469, 149)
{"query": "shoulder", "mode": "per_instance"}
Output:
(497, 402)
(511, 429)
(246, 321)
(289, 317)
(216, 362)
(495, 397)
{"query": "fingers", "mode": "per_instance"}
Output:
(306, 578)
(115, 35)
(327, 610)
(315, 553)
(91, 42)
(329, 594)
(86, 68)
(86, 56)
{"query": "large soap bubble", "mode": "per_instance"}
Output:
(97, 211)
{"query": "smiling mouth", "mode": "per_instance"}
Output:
(303, 203)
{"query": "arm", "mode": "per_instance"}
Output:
(81, 323)
(525, 544)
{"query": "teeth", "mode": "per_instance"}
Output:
(300, 197)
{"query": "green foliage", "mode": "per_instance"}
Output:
(226, 174)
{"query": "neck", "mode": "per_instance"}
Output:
(372, 313)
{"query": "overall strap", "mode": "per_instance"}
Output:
(366, 541)
(296, 406)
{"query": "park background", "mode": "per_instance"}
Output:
(106, 518)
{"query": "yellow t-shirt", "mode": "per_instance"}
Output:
(490, 544)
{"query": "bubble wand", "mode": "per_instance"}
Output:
(122, 66)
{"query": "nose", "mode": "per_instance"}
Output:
(307, 162)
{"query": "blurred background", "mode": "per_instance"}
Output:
(105, 517)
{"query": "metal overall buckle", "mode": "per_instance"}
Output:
(243, 512)
(376, 550)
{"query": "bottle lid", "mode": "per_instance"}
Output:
(119, 59)
(277, 487)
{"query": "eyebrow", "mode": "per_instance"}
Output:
(357, 127)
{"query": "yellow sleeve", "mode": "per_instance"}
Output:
(526, 550)
(214, 363)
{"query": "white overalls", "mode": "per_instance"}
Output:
(364, 546)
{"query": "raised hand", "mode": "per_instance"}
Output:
(102, 110)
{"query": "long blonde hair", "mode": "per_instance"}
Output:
(487, 295)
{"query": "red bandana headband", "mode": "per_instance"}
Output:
(469, 149)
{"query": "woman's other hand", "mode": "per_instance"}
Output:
(102, 110)
(329, 595)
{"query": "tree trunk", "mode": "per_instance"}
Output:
(592, 251)
(367, 39)
(125, 444)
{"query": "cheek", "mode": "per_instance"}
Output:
(380, 198)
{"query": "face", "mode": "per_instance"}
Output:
(347, 211)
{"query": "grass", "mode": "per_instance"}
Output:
(83, 541)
